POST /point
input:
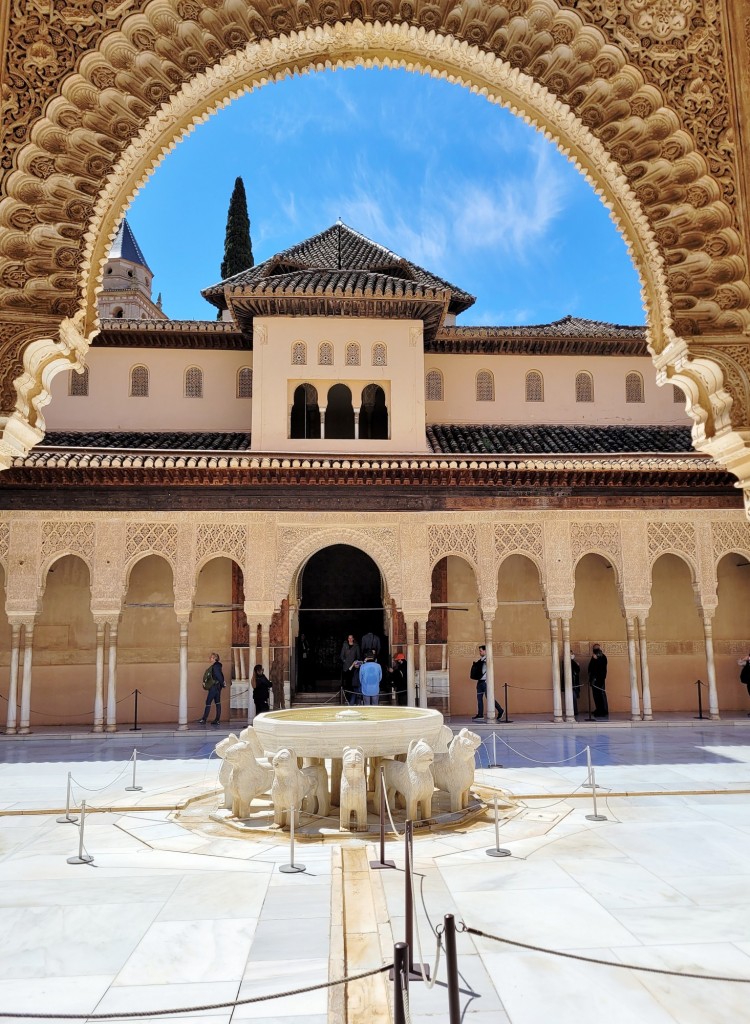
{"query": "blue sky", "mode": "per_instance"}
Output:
(439, 175)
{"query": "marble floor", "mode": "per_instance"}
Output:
(166, 918)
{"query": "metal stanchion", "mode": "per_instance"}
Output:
(494, 752)
(498, 851)
(590, 717)
(451, 969)
(508, 719)
(699, 684)
(417, 972)
(291, 868)
(382, 863)
(400, 976)
(135, 727)
(588, 783)
(133, 788)
(82, 858)
(68, 817)
(592, 777)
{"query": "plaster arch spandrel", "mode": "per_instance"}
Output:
(109, 575)
(23, 581)
(559, 572)
(636, 571)
(598, 80)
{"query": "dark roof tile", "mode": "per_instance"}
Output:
(557, 440)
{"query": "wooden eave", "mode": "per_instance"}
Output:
(187, 334)
(484, 342)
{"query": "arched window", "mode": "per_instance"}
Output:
(433, 386)
(139, 382)
(373, 415)
(299, 354)
(677, 396)
(118, 313)
(352, 354)
(634, 388)
(245, 382)
(339, 413)
(305, 419)
(485, 386)
(379, 354)
(534, 386)
(78, 385)
(193, 382)
(325, 354)
(584, 387)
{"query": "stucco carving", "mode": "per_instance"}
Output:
(452, 539)
(152, 538)
(4, 543)
(59, 538)
(600, 537)
(221, 540)
(730, 537)
(673, 537)
(635, 91)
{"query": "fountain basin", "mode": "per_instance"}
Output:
(324, 731)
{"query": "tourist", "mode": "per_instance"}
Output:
(261, 690)
(349, 654)
(597, 682)
(305, 679)
(277, 682)
(479, 673)
(398, 674)
(370, 642)
(575, 675)
(370, 675)
(354, 693)
(745, 673)
(214, 677)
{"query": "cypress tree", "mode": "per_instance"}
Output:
(238, 249)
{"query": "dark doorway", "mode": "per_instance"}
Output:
(373, 416)
(305, 412)
(341, 593)
(339, 413)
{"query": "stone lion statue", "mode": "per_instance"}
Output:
(290, 785)
(318, 800)
(353, 799)
(453, 771)
(248, 778)
(413, 780)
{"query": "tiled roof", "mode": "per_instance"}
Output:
(125, 247)
(557, 440)
(133, 441)
(198, 334)
(571, 335)
(340, 248)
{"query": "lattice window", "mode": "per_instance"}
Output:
(534, 386)
(519, 537)
(452, 540)
(485, 386)
(67, 538)
(634, 388)
(160, 538)
(78, 385)
(217, 540)
(139, 382)
(379, 354)
(584, 387)
(245, 382)
(353, 354)
(193, 382)
(299, 354)
(433, 386)
(677, 396)
(325, 354)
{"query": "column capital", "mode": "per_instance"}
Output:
(415, 613)
(259, 611)
(19, 618)
(560, 612)
(488, 611)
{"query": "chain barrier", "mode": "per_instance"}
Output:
(405, 997)
(180, 1011)
(429, 982)
(100, 789)
(564, 760)
(597, 960)
(390, 816)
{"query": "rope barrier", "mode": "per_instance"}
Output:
(429, 982)
(564, 760)
(200, 1009)
(100, 789)
(597, 960)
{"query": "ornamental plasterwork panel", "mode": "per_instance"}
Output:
(4, 543)
(152, 538)
(597, 537)
(217, 539)
(668, 537)
(74, 537)
(185, 578)
(520, 539)
(452, 539)
(559, 572)
(730, 537)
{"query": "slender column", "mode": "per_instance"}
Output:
(410, 688)
(713, 699)
(99, 691)
(15, 642)
(422, 634)
(554, 633)
(322, 422)
(356, 424)
(112, 679)
(567, 672)
(635, 701)
(182, 710)
(265, 646)
(242, 666)
(490, 662)
(645, 678)
(28, 650)
(289, 420)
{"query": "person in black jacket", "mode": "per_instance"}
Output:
(261, 690)
(597, 682)
(214, 694)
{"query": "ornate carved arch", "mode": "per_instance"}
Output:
(102, 96)
(524, 553)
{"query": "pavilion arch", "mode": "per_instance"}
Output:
(684, 557)
(553, 50)
(290, 568)
(532, 557)
(453, 553)
(50, 561)
(138, 557)
(612, 559)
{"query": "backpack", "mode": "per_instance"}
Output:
(208, 678)
(476, 670)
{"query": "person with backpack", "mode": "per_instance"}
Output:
(479, 673)
(213, 683)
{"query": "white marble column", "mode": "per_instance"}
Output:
(645, 678)
(713, 697)
(28, 650)
(182, 709)
(410, 688)
(111, 725)
(635, 700)
(489, 710)
(265, 646)
(322, 422)
(15, 643)
(567, 672)
(422, 634)
(554, 635)
(99, 685)
(356, 424)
